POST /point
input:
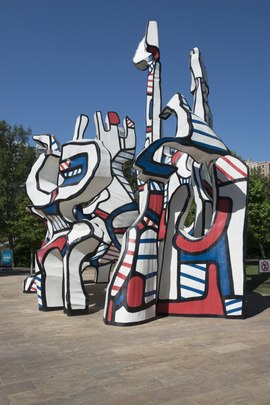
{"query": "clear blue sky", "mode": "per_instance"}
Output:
(60, 58)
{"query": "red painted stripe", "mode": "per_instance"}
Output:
(207, 241)
(234, 166)
(54, 194)
(132, 240)
(128, 265)
(57, 244)
(120, 230)
(115, 288)
(122, 276)
(176, 156)
(148, 129)
(109, 255)
(109, 316)
(100, 213)
(224, 172)
(130, 252)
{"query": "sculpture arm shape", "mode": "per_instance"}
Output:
(42, 179)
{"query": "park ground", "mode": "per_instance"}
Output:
(49, 358)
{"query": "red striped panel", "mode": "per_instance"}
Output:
(234, 166)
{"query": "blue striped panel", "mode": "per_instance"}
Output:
(233, 302)
(197, 266)
(205, 134)
(146, 257)
(192, 278)
(205, 145)
(199, 122)
(40, 297)
(153, 186)
(234, 310)
(39, 288)
(185, 287)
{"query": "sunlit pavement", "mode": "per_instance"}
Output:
(49, 358)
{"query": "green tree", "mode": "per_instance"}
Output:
(30, 231)
(16, 158)
(259, 214)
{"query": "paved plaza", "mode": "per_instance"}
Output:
(49, 358)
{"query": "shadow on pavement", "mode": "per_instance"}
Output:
(4, 272)
(256, 303)
(96, 294)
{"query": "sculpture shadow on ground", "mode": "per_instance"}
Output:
(256, 303)
(96, 293)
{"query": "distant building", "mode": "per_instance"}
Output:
(262, 167)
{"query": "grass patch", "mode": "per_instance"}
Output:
(257, 282)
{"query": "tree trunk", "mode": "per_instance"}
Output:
(263, 256)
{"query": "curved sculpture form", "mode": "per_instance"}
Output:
(165, 267)
(80, 190)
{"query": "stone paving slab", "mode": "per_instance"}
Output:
(47, 358)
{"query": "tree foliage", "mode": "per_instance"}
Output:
(29, 232)
(17, 158)
(259, 215)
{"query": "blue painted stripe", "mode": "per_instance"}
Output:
(146, 257)
(185, 287)
(151, 215)
(154, 274)
(40, 297)
(149, 293)
(150, 240)
(38, 278)
(120, 300)
(234, 310)
(153, 186)
(197, 131)
(205, 145)
(199, 122)
(233, 302)
(39, 288)
(192, 278)
(196, 266)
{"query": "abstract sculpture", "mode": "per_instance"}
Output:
(80, 190)
(163, 265)
(165, 268)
